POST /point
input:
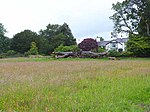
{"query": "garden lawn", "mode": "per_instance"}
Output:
(75, 85)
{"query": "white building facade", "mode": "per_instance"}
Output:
(118, 44)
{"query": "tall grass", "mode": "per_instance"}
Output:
(66, 86)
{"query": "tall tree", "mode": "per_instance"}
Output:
(21, 41)
(144, 13)
(57, 35)
(43, 45)
(65, 30)
(4, 41)
(2, 30)
(4, 44)
(50, 31)
(131, 16)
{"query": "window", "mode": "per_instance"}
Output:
(113, 44)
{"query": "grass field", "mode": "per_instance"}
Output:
(79, 85)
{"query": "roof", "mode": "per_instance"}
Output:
(119, 40)
(122, 40)
(103, 43)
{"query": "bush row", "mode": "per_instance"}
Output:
(61, 48)
(10, 53)
(115, 53)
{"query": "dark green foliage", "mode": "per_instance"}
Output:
(126, 54)
(4, 41)
(47, 40)
(63, 39)
(11, 53)
(43, 45)
(2, 55)
(57, 35)
(88, 44)
(114, 53)
(139, 45)
(65, 30)
(21, 41)
(61, 48)
(4, 44)
(55, 29)
(2, 30)
(101, 49)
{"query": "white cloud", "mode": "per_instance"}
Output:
(86, 18)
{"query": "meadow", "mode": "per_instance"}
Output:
(74, 85)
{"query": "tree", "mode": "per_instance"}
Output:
(57, 35)
(43, 45)
(65, 30)
(125, 19)
(131, 16)
(50, 31)
(4, 44)
(88, 44)
(62, 39)
(139, 45)
(100, 38)
(144, 13)
(2, 30)
(34, 49)
(21, 41)
(4, 41)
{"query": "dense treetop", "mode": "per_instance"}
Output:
(88, 44)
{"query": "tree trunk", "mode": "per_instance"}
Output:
(148, 28)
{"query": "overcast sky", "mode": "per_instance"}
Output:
(86, 18)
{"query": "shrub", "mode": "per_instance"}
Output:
(33, 50)
(114, 53)
(3, 55)
(101, 50)
(61, 48)
(88, 44)
(11, 53)
(126, 54)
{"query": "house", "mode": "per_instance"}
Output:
(118, 44)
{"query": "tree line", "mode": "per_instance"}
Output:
(46, 40)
